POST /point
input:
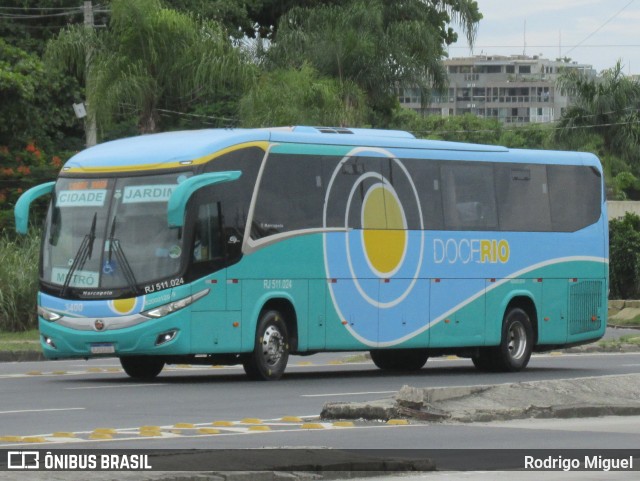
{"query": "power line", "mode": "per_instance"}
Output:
(543, 46)
(210, 117)
(39, 9)
(551, 126)
(599, 28)
(13, 16)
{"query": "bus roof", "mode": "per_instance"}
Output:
(172, 149)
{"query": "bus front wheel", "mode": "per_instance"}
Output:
(270, 355)
(399, 359)
(142, 367)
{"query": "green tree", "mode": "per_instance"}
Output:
(456, 128)
(295, 97)
(533, 136)
(377, 45)
(36, 103)
(607, 106)
(150, 59)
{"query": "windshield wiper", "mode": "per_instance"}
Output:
(84, 252)
(121, 258)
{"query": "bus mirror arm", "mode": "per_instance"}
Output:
(21, 209)
(180, 197)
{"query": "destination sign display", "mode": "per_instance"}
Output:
(81, 198)
(87, 279)
(147, 193)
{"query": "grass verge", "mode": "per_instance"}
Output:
(626, 340)
(20, 341)
(635, 322)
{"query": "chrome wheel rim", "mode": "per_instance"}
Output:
(273, 347)
(517, 340)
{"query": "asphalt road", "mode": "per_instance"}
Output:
(70, 404)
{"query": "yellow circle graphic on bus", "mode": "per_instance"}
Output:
(374, 245)
(384, 234)
(123, 306)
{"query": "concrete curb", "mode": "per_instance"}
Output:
(21, 356)
(568, 398)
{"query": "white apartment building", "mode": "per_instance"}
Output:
(514, 90)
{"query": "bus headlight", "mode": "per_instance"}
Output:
(48, 315)
(174, 306)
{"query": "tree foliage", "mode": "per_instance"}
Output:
(624, 256)
(36, 103)
(607, 106)
(302, 97)
(472, 129)
(148, 60)
(377, 45)
(29, 24)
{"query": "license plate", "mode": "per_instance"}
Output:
(104, 348)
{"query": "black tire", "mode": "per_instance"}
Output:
(516, 346)
(484, 361)
(399, 359)
(270, 355)
(142, 367)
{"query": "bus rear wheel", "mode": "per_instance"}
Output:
(517, 341)
(515, 348)
(142, 367)
(270, 355)
(399, 359)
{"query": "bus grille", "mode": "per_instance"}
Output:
(585, 305)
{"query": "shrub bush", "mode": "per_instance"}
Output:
(18, 281)
(624, 257)
(21, 169)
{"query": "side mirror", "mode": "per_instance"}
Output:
(21, 209)
(178, 201)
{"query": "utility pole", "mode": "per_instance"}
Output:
(90, 121)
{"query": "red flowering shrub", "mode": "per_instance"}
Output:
(20, 170)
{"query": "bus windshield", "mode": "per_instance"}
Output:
(111, 233)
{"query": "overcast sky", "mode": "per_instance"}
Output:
(596, 32)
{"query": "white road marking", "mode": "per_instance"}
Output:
(113, 387)
(41, 410)
(348, 393)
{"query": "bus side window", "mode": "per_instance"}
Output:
(290, 195)
(422, 184)
(469, 196)
(207, 243)
(575, 196)
(236, 196)
(523, 197)
(349, 181)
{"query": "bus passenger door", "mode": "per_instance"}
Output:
(404, 312)
(317, 314)
(458, 306)
(212, 326)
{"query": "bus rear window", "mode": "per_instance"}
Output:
(575, 196)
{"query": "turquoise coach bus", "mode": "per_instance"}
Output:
(245, 246)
